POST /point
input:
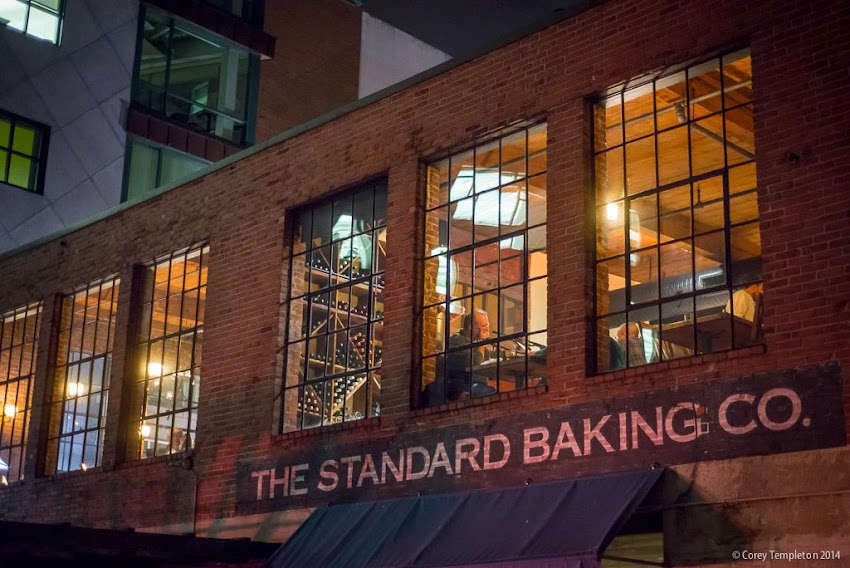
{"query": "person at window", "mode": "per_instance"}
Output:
(633, 344)
(744, 302)
(616, 355)
(475, 327)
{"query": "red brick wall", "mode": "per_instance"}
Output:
(316, 66)
(799, 55)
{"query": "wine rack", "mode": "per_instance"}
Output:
(345, 321)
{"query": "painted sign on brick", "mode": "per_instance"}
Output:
(777, 412)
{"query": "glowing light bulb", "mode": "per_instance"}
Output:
(76, 389)
(612, 211)
(83, 466)
(10, 410)
(154, 369)
(146, 430)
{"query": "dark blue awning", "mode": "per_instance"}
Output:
(565, 524)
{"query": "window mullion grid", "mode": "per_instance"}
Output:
(368, 349)
(523, 273)
(168, 62)
(146, 380)
(657, 194)
(164, 339)
(18, 380)
(62, 434)
(5, 377)
(450, 253)
(179, 337)
(627, 245)
(67, 402)
(694, 331)
(28, 4)
(94, 357)
(499, 259)
(13, 123)
(197, 329)
(31, 377)
(104, 378)
(727, 213)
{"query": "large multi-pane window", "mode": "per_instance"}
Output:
(678, 250)
(195, 78)
(172, 333)
(485, 285)
(81, 386)
(19, 330)
(336, 310)
(38, 18)
(23, 152)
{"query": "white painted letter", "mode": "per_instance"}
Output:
(260, 475)
(506, 445)
(529, 444)
(690, 424)
(638, 423)
(724, 408)
(594, 433)
(409, 473)
(441, 459)
(326, 473)
(566, 440)
(796, 409)
(461, 454)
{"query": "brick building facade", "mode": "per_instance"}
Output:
(728, 493)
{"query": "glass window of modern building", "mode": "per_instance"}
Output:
(37, 18)
(336, 308)
(678, 249)
(81, 385)
(195, 78)
(484, 267)
(151, 166)
(19, 331)
(23, 152)
(172, 333)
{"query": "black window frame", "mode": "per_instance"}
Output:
(9, 411)
(737, 275)
(517, 348)
(40, 159)
(71, 359)
(298, 389)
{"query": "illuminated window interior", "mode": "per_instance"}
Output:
(23, 152)
(336, 310)
(678, 249)
(192, 78)
(81, 387)
(19, 330)
(175, 290)
(485, 288)
(37, 18)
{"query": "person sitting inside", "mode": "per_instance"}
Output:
(744, 302)
(633, 344)
(460, 381)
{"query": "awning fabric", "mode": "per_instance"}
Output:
(565, 524)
